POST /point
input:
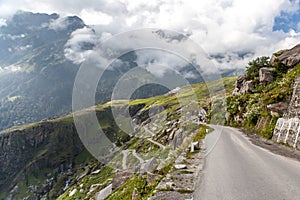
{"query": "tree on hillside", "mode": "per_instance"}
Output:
(252, 70)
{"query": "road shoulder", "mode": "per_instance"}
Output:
(272, 146)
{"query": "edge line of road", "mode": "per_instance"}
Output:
(218, 137)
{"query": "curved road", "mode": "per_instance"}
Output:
(235, 169)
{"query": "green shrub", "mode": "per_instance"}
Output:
(253, 67)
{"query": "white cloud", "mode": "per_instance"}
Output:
(59, 24)
(2, 22)
(189, 75)
(93, 17)
(158, 62)
(219, 27)
(223, 27)
(75, 50)
(23, 48)
(10, 69)
(157, 70)
(105, 35)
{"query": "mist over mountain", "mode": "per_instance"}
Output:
(39, 59)
(35, 77)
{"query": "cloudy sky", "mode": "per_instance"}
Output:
(232, 31)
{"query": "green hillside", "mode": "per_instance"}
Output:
(53, 153)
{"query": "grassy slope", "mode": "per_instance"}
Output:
(60, 148)
(171, 104)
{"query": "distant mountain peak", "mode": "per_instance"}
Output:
(66, 23)
(32, 52)
(23, 21)
(28, 19)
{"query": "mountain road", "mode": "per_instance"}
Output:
(236, 169)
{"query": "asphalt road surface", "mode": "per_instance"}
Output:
(236, 169)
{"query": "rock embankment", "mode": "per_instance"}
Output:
(285, 59)
(287, 129)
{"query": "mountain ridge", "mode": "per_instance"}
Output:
(39, 59)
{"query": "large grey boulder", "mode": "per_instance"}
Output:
(247, 87)
(104, 193)
(149, 166)
(289, 58)
(277, 108)
(242, 86)
(120, 178)
(152, 178)
(266, 75)
(178, 139)
(239, 82)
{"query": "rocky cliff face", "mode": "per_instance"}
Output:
(242, 86)
(280, 62)
(37, 158)
(288, 127)
(262, 95)
(18, 148)
(289, 58)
